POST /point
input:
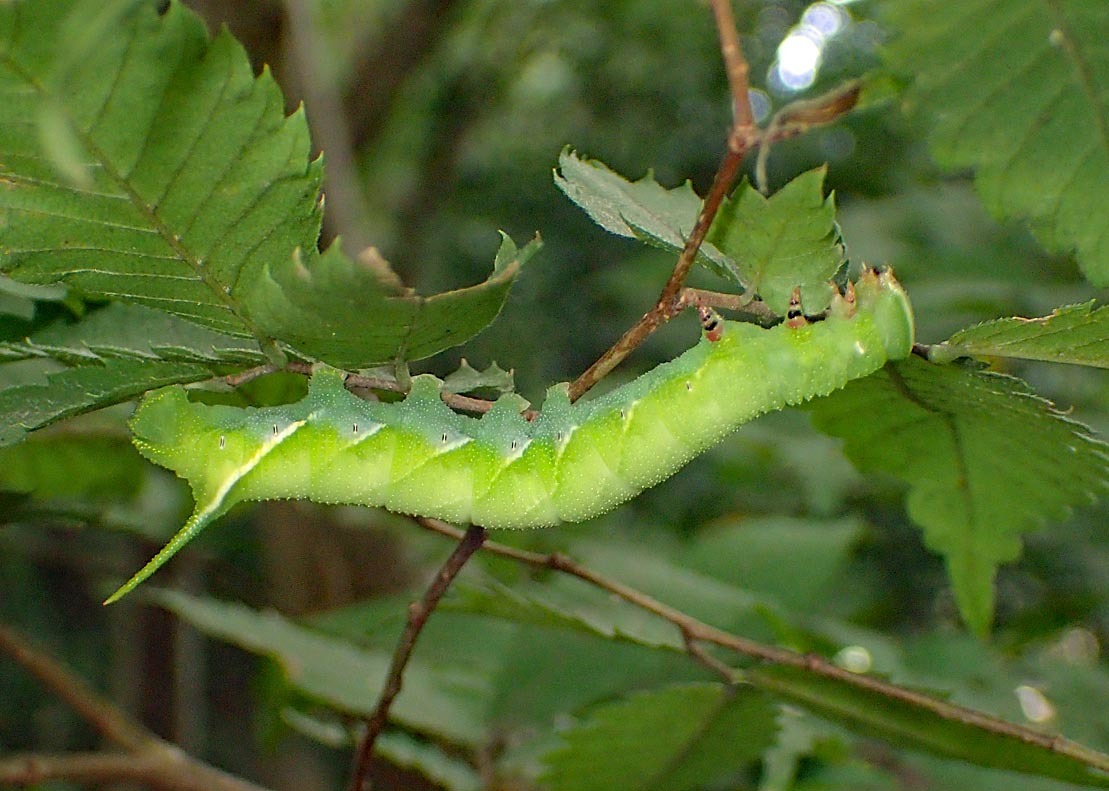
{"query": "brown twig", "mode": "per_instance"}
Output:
(145, 758)
(744, 134)
(800, 116)
(109, 721)
(694, 632)
(754, 309)
(735, 65)
(469, 542)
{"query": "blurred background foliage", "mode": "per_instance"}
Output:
(454, 112)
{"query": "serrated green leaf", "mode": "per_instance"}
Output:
(27, 407)
(751, 553)
(675, 738)
(641, 209)
(900, 722)
(143, 162)
(133, 332)
(160, 171)
(787, 240)
(985, 458)
(1077, 334)
(343, 312)
(1018, 90)
(439, 700)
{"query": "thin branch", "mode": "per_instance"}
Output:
(753, 309)
(145, 758)
(164, 768)
(99, 712)
(694, 631)
(694, 649)
(744, 134)
(734, 63)
(457, 401)
(85, 768)
(469, 542)
(250, 374)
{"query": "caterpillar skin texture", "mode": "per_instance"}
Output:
(571, 463)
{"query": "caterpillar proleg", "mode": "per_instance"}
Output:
(573, 462)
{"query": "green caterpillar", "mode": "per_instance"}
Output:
(573, 462)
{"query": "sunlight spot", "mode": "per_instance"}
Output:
(854, 658)
(798, 61)
(801, 53)
(1035, 707)
(824, 18)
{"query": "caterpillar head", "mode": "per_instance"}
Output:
(882, 296)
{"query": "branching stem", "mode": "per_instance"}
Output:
(744, 134)
(695, 633)
(144, 758)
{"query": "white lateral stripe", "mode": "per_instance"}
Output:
(360, 433)
(269, 444)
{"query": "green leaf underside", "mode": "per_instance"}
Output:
(789, 239)
(133, 332)
(1077, 334)
(904, 724)
(641, 209)
(494, 600)
(437, 700)
(986, 460)
(1019, 90)
(340, 311)
(670, 739)
(144, 163)
(71, 392)
(321, 667)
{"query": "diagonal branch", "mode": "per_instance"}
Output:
(695, 632)
(145, 758)
(469, 542)
(99, 712)
(743, 136)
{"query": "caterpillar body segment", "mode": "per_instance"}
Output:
(573, 462)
